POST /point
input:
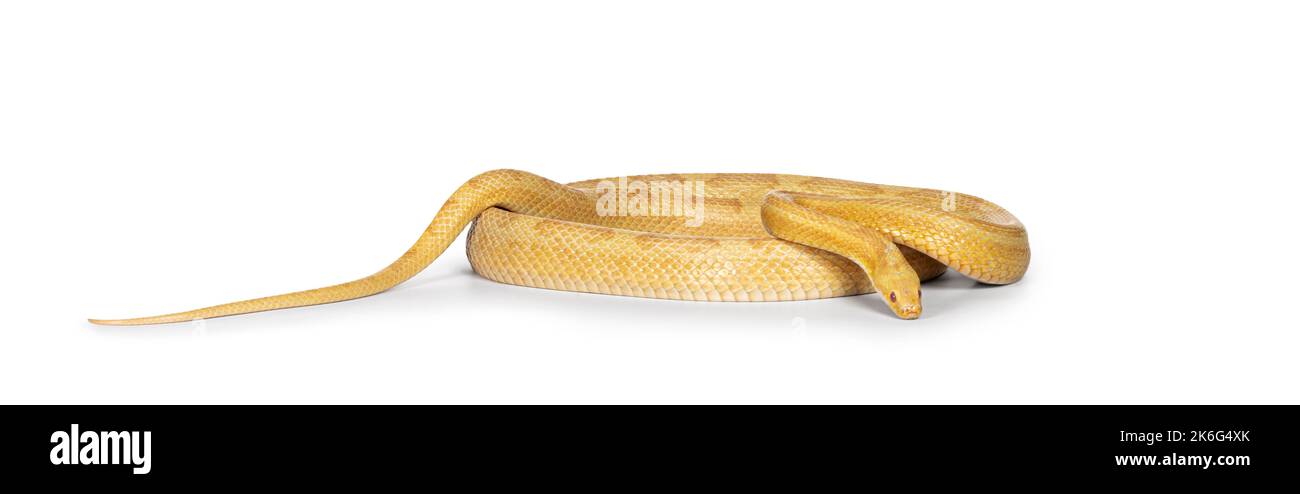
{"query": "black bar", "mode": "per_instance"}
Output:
(326, 443)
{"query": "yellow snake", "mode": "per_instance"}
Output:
(717, 237)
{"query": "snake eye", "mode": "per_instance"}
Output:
(893, 297)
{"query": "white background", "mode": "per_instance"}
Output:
(161, 156)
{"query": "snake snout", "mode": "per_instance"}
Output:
(909, 311)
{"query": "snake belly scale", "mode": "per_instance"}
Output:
(760, 237)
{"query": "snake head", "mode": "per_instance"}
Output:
(906, 304)
(901, 290)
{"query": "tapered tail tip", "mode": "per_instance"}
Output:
(138, 321)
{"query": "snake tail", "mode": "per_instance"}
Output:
(511, 190)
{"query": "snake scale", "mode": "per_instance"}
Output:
(733, 237)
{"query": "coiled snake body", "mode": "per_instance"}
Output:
(748, 237)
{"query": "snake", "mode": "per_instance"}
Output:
(733, 237)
